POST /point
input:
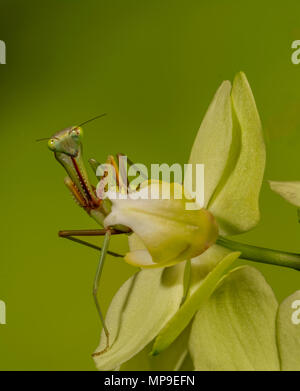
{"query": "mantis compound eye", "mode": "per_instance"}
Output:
(52, 144)
(76, 132)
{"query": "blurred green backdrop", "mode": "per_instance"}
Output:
(153, 66)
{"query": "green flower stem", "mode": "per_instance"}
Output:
(261, 254)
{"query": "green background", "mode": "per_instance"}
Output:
(153, 66)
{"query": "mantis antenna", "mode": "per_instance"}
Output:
(92, 119)
(83, 123)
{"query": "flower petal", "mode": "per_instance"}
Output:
(138, 311)
(235, 328)
(213, 141)
(139, 255)
(183, 316)
(204, 264)
(288, 333)
(235, 205)
(169, 232)
(290, 191)
(169, 360)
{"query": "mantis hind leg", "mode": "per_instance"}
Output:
(103, 251)
(96, 289)
(69, 234)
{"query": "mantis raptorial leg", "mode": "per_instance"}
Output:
(120, 170)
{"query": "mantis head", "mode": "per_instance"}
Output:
(67, 141)
(67, 147)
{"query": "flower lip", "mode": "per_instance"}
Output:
(166, 233)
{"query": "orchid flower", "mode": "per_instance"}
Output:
(290, 191)
(248, 330)
(155, 317)
(244, 331)
(165, 233)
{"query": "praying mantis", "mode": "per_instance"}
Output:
(67, 147)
